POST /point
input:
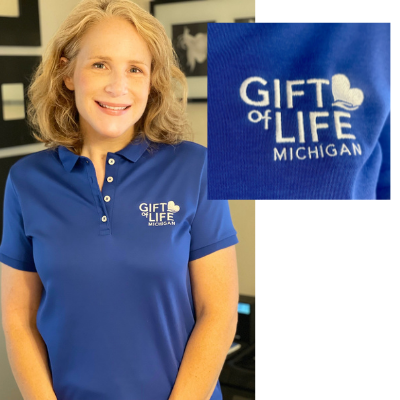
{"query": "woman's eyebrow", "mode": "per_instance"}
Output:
(110, 59)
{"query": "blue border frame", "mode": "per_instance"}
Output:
(396, 208)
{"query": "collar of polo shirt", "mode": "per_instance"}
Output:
(132, 152)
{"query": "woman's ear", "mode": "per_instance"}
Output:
(69, 83)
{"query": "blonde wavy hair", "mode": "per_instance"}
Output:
(52, 111)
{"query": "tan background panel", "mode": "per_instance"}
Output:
(324, 300)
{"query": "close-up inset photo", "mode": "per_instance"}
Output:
(299, 111)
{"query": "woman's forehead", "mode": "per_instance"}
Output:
(115, 38)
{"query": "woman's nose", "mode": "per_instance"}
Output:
(118, 84)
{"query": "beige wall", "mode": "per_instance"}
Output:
(52, 13)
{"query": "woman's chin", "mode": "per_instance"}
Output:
(111, 132)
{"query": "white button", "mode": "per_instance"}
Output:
(107, 198)
(110, 179)
(111, 161)
(104, 218)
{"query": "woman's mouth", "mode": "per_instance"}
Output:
(118, 109)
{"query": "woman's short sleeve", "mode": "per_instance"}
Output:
(212, 227)
(16, 247)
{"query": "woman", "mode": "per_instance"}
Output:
(132, 301)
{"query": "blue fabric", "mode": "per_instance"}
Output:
(117, 309)
(315, 122)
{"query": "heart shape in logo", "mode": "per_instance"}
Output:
(172, 207)
(349, 99)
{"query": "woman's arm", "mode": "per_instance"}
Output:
(216, 294)
(20, 298)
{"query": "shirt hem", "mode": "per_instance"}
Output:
(206, 250)
(17, 264)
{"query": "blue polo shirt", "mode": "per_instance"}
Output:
(117, 309)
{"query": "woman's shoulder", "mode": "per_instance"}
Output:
(32, 163)
(193, 146)
(185, 149)
(184, 145)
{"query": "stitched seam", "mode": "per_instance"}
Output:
(211, 244)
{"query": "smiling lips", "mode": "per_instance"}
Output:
(113, 109)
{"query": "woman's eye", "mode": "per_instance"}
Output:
(98, 64)
(102, 66)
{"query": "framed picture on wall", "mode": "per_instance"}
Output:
(19, 23)
(188, 33)
(186, 25)
(15, 76)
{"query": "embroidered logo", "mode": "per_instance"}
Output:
(159, 214)
(254, 92)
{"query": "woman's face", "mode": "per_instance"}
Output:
(112, 69)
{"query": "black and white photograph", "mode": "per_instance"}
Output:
(190, 44)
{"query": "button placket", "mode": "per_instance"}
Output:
(104, 220)
(108, 193)
(107, 198)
